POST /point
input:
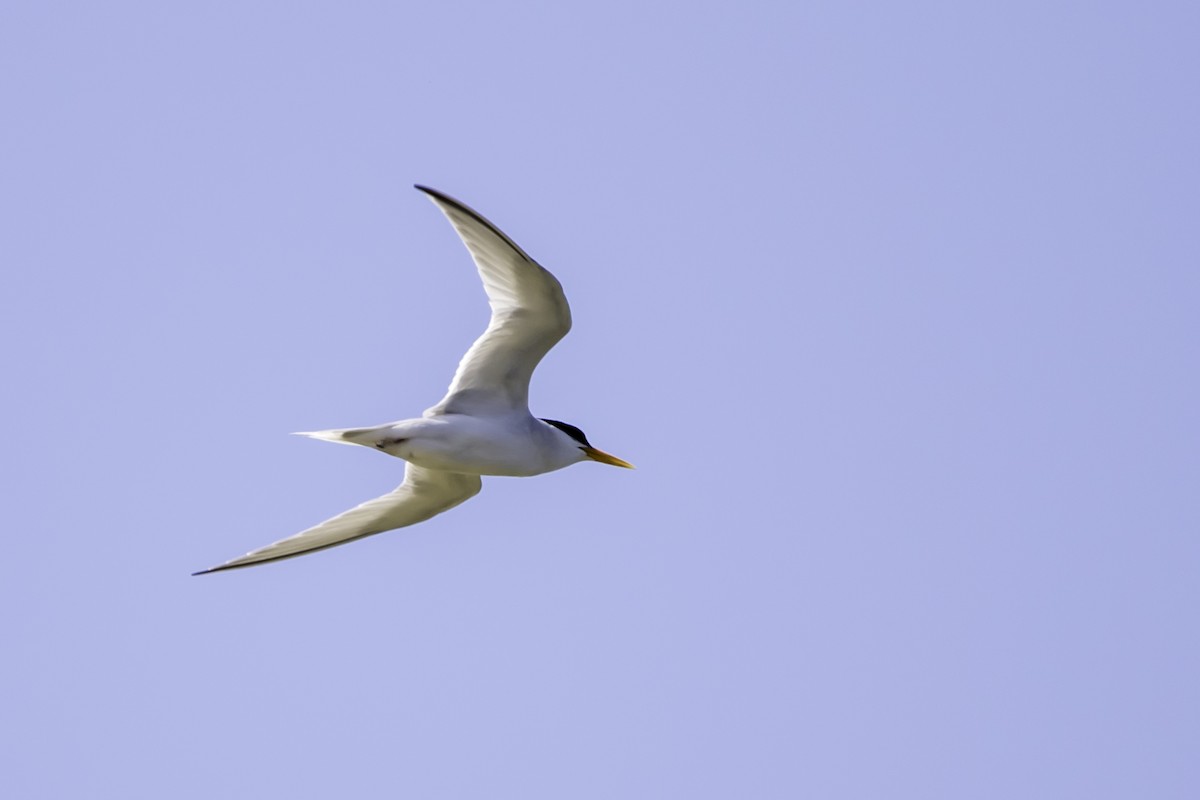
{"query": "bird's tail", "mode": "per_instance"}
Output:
(339, 435)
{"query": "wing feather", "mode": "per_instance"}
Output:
(529, 316)
(425, 493)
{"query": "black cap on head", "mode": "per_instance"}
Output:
(569, 430)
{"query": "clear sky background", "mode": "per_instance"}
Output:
(896, 306)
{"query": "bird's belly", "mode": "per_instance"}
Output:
(477, 454)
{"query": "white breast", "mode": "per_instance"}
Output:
(512, 445)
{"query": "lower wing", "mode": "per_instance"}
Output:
(425, 493)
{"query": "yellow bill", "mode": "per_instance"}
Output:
(605, 458)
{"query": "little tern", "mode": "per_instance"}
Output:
(483, 425)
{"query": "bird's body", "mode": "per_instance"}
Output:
(516, 444)
(483, 425)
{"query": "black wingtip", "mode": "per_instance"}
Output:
(447, 200)
(220, 568)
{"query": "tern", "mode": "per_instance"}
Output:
(483, 425)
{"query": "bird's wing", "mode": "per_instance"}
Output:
(529, 316)
(425, 493)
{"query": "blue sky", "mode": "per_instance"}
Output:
(895, 307)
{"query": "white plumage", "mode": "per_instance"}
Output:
(483, 425)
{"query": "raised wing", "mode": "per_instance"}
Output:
(529, 316)
(425, 493)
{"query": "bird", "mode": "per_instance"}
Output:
(483, 425)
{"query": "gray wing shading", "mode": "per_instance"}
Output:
(529, 316)
(425, 493)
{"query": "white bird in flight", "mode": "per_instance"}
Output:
(483, 425)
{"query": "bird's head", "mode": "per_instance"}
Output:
(580, 441)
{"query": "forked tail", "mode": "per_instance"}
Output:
(340, 435)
